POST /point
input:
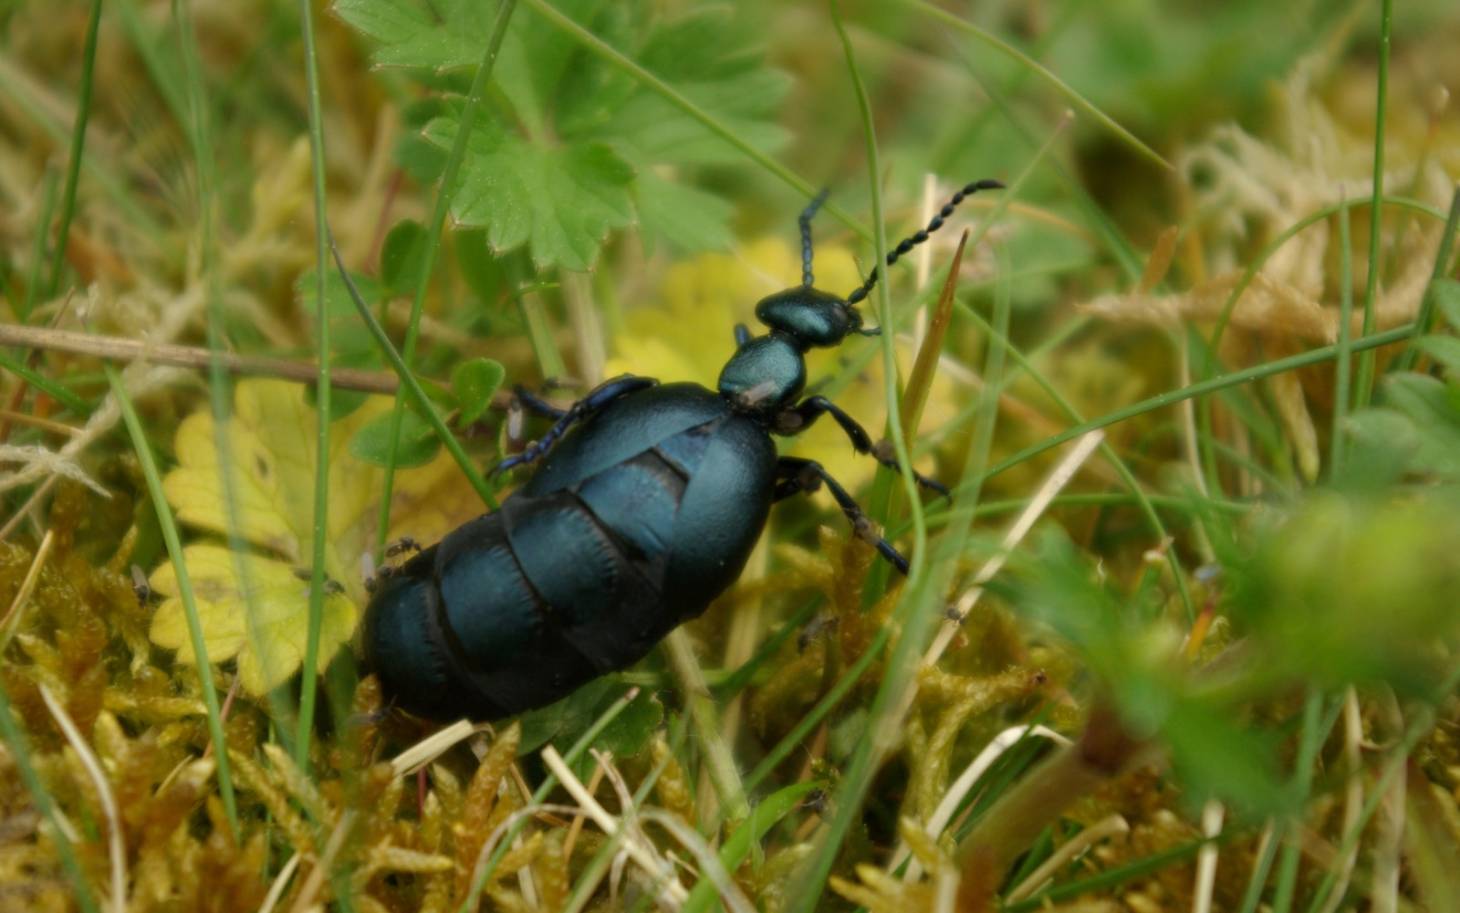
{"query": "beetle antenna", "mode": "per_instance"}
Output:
(908, 243)
(804, 220)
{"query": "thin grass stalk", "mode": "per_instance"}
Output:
(20, 754)
(1111, 878)
(320, 530)
(168, 526)
(199, 132)
(1420, 723)
(413, 388)
(1201, 388)
(40, 112)
(1364, 382)
(1113, 457)
(1272, 838)
(1224, 317)
(1310, 740)
(44, 384)
(550, 782)
(38, 253)
(1024, 60)
(1343, 363)
(889, 701)
(1426, 318)
(724, 775)
(439, 212)
(78, 148)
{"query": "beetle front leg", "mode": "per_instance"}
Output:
(597, 398)
(799, 476)
(801, 416)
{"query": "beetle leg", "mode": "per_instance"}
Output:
(800, 417)
(799, 475)
(536, 404)
(597, 398)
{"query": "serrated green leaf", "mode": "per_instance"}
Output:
(403, 256)
(1446, 294)
(474, 382)
(430, 34)
(560, 202)
(418, 441)
(1443, 349)
(681, 216)
(556, 170)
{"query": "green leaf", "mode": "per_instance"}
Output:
(430, 34)
(403, 257)
(1446, 293)
(1215, 757)
(418, 442)
(561, 202)
(562, 162)
(474, 382)
(683, 217)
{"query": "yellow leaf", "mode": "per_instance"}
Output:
(688, 334)
(270, 458)
(262, 623)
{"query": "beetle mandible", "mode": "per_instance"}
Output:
(645, 505)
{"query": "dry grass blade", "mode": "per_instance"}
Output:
(1108, 826)
(116, 849)
(13, 615)
(668, 886)
(920, 381)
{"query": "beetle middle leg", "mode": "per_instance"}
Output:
(799, 476)
(801, 416)
(597, 398)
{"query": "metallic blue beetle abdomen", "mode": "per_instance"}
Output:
(634, 523)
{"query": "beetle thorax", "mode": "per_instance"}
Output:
(765, 375)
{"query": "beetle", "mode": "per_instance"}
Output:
(646, 502)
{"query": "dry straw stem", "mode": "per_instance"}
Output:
(116, 348)
(1017, 818)
(668, 886)
(11, 622)
(1058, 478)
(964, 784)
(117, 850)
(1108, 826)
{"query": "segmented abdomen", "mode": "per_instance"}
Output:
(519, 607)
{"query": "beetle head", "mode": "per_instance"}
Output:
(811, 316)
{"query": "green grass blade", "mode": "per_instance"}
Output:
(321, 527)
(1364, 382)
(1276, 243)
(78, 147)
(38, 254)
(1064, 88)
(1426, 319)
(439, 212)
(1344, 360)
(168, 525)
(549, 783)
(763, 817)
(44, 384)
(413, 388)
(1201, 388)
(20, 756)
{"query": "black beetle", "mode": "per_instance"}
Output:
(636, 519)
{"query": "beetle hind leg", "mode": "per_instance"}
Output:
(597, 398)
(800, 476)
